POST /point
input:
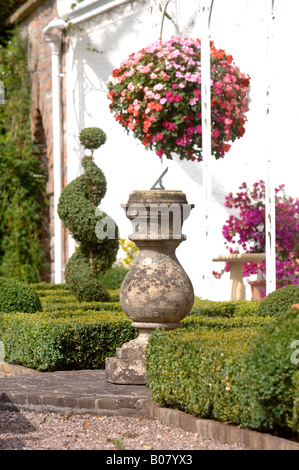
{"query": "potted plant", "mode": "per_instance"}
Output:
(247, 231)
(156, 95)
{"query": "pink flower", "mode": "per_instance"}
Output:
(170, 126)
(164, 74)
(168, 96)
(215, 133)
(181, 142)
(160, 152)
(131, 87)
(177, 98)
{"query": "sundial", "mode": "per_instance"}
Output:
(159, 182)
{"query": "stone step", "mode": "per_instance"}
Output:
(85, 391)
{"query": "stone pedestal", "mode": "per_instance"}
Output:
(156, 292)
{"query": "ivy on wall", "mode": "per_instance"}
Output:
(21, 191)
(7, 8)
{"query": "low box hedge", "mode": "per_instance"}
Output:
(68, 334)
(224, 322)
(64, 340)
(236, 370)
(230, 308)
(227, 362)
(191, 369)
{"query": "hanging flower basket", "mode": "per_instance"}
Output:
(156, 94)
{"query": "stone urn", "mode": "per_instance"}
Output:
(156, 292)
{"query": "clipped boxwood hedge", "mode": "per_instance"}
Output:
(17, 296)
(63, 340)
(272, 368)
(224, 322)
(191, 369)
(236, 370)
(230, 308)
(68, 334)
(227, 362)
(279, 300)
(113, 277)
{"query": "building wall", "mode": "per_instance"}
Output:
(40, 68)
(238, 27)
(241, 29)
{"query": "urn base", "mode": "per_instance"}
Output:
(128, 366)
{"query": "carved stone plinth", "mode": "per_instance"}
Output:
(156, 292)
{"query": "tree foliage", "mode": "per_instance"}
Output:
(8, 7)
(20, 190)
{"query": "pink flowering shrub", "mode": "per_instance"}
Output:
(156, 94)
(247, 232)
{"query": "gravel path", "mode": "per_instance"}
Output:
(24, 430)
(36, 431)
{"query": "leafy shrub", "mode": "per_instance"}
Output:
(130, 249)
(272, 376)
(237, 370)
(209, 308)
(218, 322)
(295, 416)
(78, 209)
(245, 308)
(64, 341)
(279, 301)
(82, 281)
(17, 296)
(191, 369)
(92, 138)
(23, 196)
(47, 286)
(113, 278)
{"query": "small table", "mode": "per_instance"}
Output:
(236, 261)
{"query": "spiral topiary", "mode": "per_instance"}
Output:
(77, 208)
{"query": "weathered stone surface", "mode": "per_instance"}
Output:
(125, 371)
(157, 289)
(82, 391)
(156, 292)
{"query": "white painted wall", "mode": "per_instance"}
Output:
(239, 27)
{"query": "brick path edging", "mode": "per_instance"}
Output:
(218, 431)
(205, 428)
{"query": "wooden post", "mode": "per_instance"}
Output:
(205, 9)
(270, 226)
